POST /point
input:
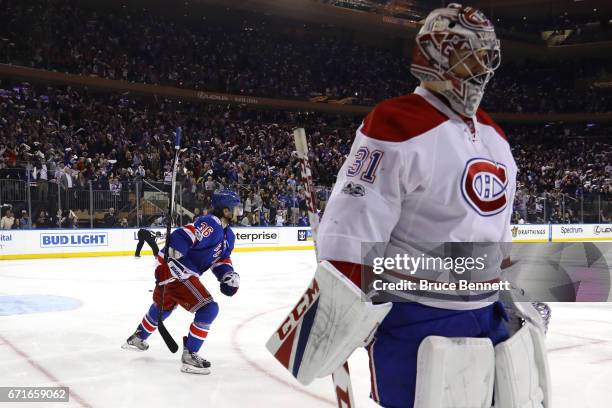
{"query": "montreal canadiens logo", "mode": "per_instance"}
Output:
(474, 19)
(484, 186)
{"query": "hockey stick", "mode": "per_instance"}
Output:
(341, 376)
(172, 346)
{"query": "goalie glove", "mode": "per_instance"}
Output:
(519, 307)
(230, 283)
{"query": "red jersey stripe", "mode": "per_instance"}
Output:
(400, 119)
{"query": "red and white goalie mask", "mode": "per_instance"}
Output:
(456, 54)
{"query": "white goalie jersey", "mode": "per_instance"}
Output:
(418, 172)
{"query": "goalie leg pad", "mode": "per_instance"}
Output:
(455, 372)
(329, 322)
(395, 352)
(522, 376)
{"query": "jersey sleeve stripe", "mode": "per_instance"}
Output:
(190, 230)
(224, 261)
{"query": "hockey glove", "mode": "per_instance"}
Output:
(177, 269)
(230, 283)
(170, 272)
(163, 275)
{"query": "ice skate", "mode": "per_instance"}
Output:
(193, 363)
(135, 343)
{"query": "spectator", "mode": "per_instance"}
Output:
(73, 220)
(280, 219)
(110, 219)
(264, 219)
(303, 221)
(115, 186)
(67, 219)
(66, 180)
(247, 205)
(257, 201)
(196, 214)
(24, 221)
(294, 208)
(42, 181)
(42, 220)
(167, 176)
(210, 185)
(246, 221)
(8, 221)
(160, 221)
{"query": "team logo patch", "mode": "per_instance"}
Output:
(484, 186)
(474, 19)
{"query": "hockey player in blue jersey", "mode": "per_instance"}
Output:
(205, 244)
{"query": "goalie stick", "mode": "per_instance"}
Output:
(172, 346)
(341, 376)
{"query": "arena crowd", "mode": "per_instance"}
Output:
(76, 138)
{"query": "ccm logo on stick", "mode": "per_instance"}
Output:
(298, 311)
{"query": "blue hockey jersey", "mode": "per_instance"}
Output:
(202, 245)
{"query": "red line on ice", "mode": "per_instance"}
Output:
(591, 342)
(261, 369)
(605, 360)
(45, 372)
(573, 346)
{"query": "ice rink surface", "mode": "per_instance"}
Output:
(98, 302)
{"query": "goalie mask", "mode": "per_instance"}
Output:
(456, 53)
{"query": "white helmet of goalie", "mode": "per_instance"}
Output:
(456, 54)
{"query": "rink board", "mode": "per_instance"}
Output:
(31, 244)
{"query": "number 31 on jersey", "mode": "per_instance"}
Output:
(363, 156)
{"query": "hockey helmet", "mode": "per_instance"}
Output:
(225, 199)
(457, 53)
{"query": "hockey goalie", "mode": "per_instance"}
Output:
(430, 166)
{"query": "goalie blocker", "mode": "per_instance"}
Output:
(331, 320)
(327, 324)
